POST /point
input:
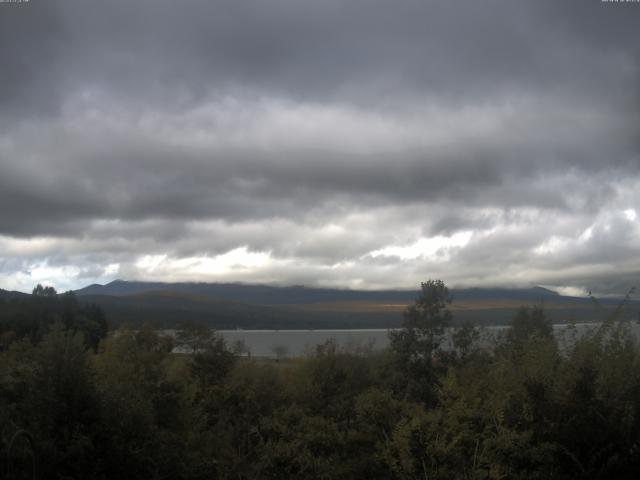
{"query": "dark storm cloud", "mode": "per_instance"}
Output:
(322, 133)
(357, 50)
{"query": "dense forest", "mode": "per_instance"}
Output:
(78, 401)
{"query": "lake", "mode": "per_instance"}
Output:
(291, 343)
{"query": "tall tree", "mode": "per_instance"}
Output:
(414, 345)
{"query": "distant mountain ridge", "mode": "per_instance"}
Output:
(11, 294)
(246, 306)
(274, 295)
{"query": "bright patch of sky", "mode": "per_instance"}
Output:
(436, 248)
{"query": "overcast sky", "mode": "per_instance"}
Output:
(355, 143)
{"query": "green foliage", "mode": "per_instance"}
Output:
(465, 339)
(414, 346)
(40, 291)
(424, 322)
(528, 323)
(48, 390)
(210, 360)
(32, 317)
(134, 408)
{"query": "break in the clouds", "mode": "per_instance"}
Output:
(364, 144)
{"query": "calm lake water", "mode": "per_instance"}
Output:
(291, 343)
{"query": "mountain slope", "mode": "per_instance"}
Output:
(9, 295)
(258, 306)
(169, 310)
(270, 295)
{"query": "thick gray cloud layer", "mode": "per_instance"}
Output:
(353, 143)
